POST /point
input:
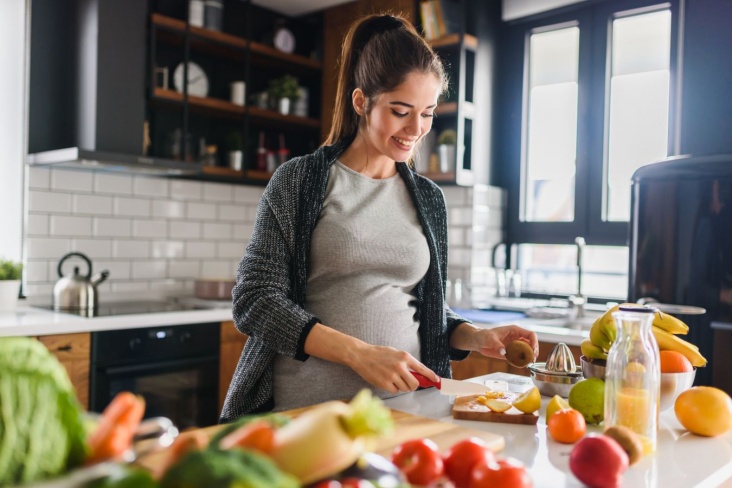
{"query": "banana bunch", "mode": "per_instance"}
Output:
(665, 329)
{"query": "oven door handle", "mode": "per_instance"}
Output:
(129, 368)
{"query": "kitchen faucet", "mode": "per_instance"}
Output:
(577, 301)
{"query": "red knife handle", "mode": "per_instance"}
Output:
(425, 382)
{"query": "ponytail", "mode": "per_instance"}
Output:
(379, 51)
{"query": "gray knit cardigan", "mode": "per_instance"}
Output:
(269, 296)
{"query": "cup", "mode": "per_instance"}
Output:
(238, 92)
(514, 285)
(195, 13)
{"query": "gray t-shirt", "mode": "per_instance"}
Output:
(367, 253)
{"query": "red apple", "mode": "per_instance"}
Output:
(598, 461)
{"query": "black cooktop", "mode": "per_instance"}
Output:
(128, 308)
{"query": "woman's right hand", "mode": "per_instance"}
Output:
(388, 368)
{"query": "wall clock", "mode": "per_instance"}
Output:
(197, 80)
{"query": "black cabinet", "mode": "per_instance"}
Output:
(199, 122)
(464, 34)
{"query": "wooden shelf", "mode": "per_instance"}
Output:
(222, 108)
(254, 174)
(440, 177)
(221, 171)
(261, 52)
(470, 41)
(449, 108)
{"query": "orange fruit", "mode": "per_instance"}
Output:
(704, 410)
(674, 362)
(567, 426)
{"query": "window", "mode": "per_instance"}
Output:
(593, 86)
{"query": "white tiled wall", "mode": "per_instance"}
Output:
(158, 235)
(476, 224)
(152, 234)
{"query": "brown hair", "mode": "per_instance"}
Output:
(379, 51)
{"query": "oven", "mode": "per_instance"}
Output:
(174, 368)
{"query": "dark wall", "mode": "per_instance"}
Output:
(706, 114)
(87, 75)
(53, 67)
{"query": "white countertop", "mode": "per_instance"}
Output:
(32, 321)
(682, 460)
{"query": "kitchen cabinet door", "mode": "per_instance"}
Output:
(73, 352)
(232, 343)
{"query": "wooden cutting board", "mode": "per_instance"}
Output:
(406, 427)
(466, 408)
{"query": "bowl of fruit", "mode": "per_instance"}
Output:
(677, 376)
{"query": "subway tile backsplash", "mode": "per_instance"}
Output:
(158, 235)
(153, 234)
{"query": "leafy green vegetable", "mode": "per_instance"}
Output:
(125, 477)
(10, 270)
(369, 416)
(41, 428)
(231, 468)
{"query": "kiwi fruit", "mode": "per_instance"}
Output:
(628, 440)
(519, 354)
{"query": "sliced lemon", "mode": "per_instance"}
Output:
(555, 404)
(498, 406)
(529, 401)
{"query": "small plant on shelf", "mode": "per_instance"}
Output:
(10, 270)
(285, 87)
(447, 137)
(235, 141)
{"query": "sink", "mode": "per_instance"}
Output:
(584, 323)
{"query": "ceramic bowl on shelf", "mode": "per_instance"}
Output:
(672, 385)
(593, 368)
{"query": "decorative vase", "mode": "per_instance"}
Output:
(284, 106)
(446, 154)
(236, 160)
(9, 291)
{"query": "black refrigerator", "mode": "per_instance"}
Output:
(681, 250)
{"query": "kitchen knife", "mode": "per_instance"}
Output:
(451, 387)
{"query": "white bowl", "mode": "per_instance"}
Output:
(672, 385)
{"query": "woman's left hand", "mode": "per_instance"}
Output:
(492, 342)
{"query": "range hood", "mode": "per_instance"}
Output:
(88, 79)
(77, 158)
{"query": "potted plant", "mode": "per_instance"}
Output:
(235, 148)
(446, 143)
(284, 90)
(10, 273)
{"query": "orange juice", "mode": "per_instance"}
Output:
(633, 410)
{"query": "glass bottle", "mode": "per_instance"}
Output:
(633, 376)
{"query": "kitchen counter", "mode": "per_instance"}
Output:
(682, 460)
(33, 321)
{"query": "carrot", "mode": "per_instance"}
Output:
(258, 435)
(185, 443)
(117, 426)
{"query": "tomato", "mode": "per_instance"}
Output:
(504, 473)
(462, 456)
(419, 460)
(328, 484)
(355, 483)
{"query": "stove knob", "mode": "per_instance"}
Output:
(135, 343)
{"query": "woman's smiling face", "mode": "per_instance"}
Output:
(400, 118)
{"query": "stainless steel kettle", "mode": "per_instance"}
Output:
(77, 292)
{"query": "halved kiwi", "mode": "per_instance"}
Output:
(519, 354)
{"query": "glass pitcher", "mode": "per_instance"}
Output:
(633, 376)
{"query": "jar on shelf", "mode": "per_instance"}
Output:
(633, 376)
